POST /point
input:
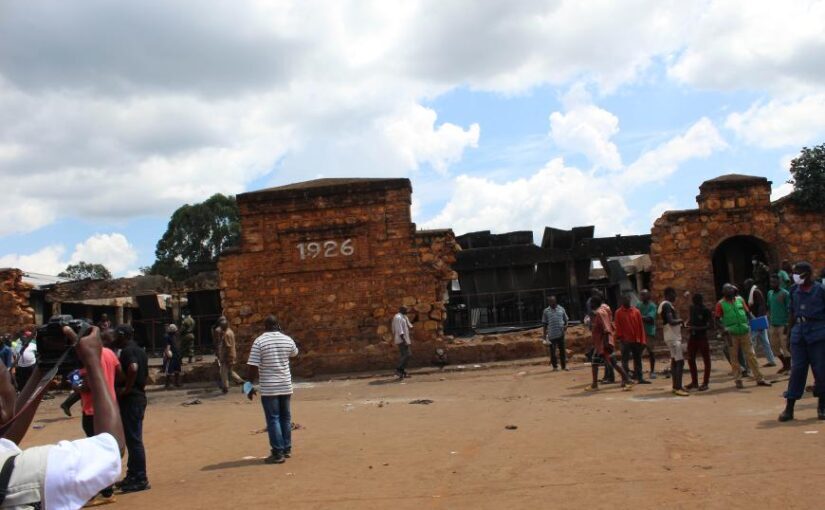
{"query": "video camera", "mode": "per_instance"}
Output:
(53, 345)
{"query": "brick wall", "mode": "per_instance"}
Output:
(15, 312)
(684, 242)
(334, 260)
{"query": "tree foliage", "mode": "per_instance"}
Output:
(808, 178)
(83, 270)
(195, 237)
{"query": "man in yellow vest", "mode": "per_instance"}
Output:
(733, 316)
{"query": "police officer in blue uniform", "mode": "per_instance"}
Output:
(807, 307)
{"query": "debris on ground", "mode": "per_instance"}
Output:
(382, 403)
(39, 426)
(192, 402)
(297, 426)
(259, 431)
(511, 427)
(422, 401)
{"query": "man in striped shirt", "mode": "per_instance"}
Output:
(554, 320)
(269, 361)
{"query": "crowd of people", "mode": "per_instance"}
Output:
(787, 322)
(785, 318)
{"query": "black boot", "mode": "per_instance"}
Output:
(787, 414)
(820, 409)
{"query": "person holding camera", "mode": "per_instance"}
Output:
(132, 400)
(68, 474)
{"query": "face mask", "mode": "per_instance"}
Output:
(797, 279)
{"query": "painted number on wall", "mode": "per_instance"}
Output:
(326, 249)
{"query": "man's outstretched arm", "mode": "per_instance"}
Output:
(107, 414)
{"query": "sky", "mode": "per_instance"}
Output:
(505, 115)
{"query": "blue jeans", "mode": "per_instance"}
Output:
(278, 422)
(762, 338)
(132, 411)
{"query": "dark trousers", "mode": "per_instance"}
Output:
(403, 357)
(22, 375)
(633, 350)
(560, 344)
(72, 399)
(803, 355)
(132, 411)
(88, 424)
(278, 422)
(698, 346)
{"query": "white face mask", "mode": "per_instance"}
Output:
(797, 279)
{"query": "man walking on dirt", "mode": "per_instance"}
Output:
(554, 319)
(672, 330)
(732, 315)
(630, 332)
(226, 353)
(401, 336)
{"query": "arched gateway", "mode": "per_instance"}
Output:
(698, 250)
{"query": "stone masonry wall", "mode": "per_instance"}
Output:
(334, 265)
(15, 311)
(683, 242)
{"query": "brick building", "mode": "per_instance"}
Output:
(16, 312)
(699, 250)
(334, 259)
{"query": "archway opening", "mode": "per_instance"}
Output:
(732, 260)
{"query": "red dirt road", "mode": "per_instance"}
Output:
(363, 446)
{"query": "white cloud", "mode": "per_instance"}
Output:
(782, 190)
(564, 196)
(700, 141)
(418, 140)
(556, 195)
(586, 129)
(755, 44)
(112, 250)
(48, 260)
(781, 122)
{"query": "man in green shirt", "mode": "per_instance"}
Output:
(778, 299)
(732, 315)
(648, 310)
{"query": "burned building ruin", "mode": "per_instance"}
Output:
(504, 280)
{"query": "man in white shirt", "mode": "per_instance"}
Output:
(401, 335)
(68, 474)
(269, 361)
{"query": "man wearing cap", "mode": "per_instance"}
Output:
(807, 307)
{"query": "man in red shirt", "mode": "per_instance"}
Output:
(630, 332)
(603, 342)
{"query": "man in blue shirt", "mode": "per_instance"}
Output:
(807, 307)
(554, 319)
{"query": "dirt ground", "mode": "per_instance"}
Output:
(362, 445)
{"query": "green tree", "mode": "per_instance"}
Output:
(808, 178)
(83, 270)
(195, 237)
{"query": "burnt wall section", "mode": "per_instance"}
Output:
(505, 279)
(15, 310)
(334, 259)
(735, 213)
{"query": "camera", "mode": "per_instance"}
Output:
(52, 343)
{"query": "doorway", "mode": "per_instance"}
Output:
(732, 260)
